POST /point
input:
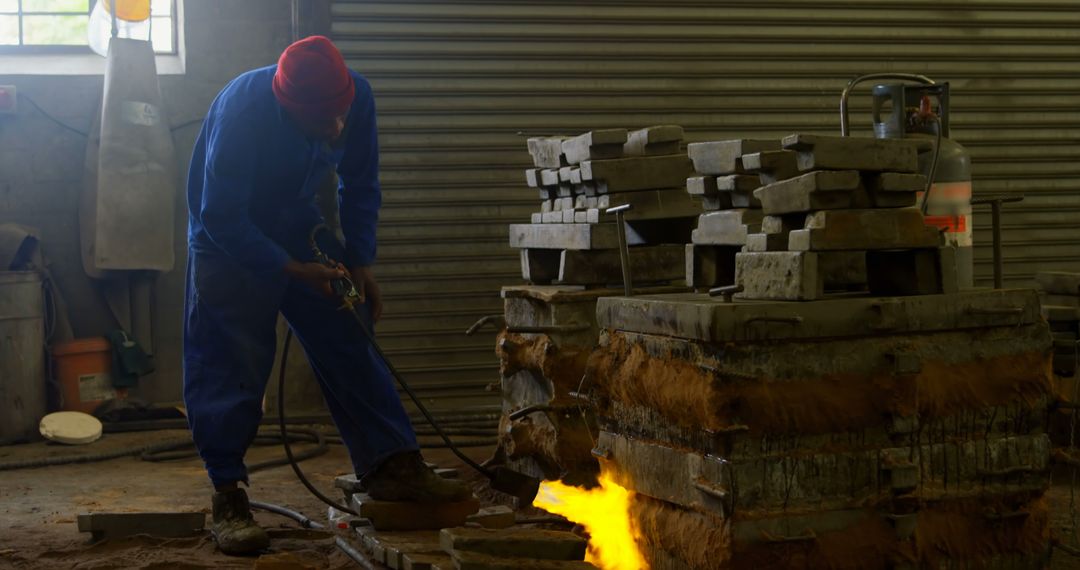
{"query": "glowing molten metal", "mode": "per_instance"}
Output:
(604, 511)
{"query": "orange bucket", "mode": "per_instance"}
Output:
(84, 372)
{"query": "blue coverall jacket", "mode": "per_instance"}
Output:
(251, 201)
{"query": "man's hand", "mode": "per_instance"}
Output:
(364, 279)
(315, 275)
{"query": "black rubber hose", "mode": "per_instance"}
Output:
(933, 168)
(463, 443)
(321, 447)
(89, 458)
(450, 422)
(285, 434)
(280, 510)
(170, 451)
(416, 400)
(450, 418)
(460, 431)
(163, 424)
(186, 449)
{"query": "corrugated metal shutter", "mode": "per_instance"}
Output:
(458, 83)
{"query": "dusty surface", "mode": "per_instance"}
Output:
(38, 508)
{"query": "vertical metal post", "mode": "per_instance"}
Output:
(999, 262)
(296, 33)
(115, 25)
(624, 247)
(995, 203)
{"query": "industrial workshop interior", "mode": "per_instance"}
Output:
(541, 285)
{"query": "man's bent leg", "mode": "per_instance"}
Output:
(229, 343)
(361, 397)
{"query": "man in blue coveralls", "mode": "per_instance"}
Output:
(270, 138)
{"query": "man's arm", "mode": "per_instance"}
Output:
(360, 197)
(228, 189)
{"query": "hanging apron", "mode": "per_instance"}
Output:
(127, 208)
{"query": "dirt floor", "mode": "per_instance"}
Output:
(1065, 515)
(38, 508)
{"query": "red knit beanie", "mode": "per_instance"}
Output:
(312, 81)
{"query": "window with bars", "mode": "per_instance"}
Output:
(28, 26)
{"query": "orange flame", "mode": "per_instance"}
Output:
(604, 511)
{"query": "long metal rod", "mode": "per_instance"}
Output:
(933, 167)
(624, 258)
(115, 25)
(995, 203)
(624, 247)
(999, 261)
(295, 20)
(845, 125)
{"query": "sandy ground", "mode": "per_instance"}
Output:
(38, 508)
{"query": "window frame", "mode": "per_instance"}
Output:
(74, 49)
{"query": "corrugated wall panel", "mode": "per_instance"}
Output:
(460, 84)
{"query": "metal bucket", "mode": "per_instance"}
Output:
(22, 355)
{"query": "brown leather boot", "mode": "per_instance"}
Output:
(234, 528)
(406, 478)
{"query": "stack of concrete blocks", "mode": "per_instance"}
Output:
(841, 206)
(859, 432)
(476, 547)
(1061, 309)
(726, 189)
(409, 516)
(571, 241)
(727, 175)
(513, 549)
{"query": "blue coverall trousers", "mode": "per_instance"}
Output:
(229, 344)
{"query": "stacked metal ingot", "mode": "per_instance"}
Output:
(572, 241)
(860, 432)
(1061, 308)
(726, 188)
(843, 201)
(550, 332)
(813, 214)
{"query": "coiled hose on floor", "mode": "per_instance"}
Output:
(178, 449)
(181, 448)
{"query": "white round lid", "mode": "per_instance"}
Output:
(73, 428)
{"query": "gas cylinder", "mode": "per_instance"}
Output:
(922, 112)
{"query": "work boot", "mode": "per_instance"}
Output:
(406, 478)
(234, 528)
